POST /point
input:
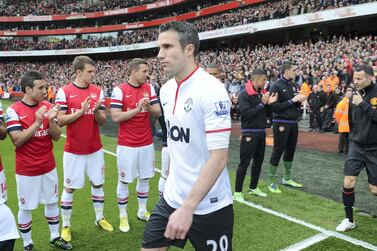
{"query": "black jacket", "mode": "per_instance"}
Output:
(363, 119)
(253, 111)
(284, 108)
(316, 100)
(330, 100)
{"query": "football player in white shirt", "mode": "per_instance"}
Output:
(197, 200)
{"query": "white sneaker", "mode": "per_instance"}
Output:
(345, 225)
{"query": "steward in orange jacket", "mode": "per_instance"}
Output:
(341, 116)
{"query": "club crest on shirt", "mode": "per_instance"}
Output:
(373, 101)
(222, 108)
(188, 105)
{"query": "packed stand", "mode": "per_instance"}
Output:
(317, 60)
(186, 7)
(266, 11)
(42, 7)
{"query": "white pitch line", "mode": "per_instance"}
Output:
(306, 243)
(292, 219)
(312, 226)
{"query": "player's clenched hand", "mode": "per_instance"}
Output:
(303, 97)
(143, 104)
(85, 105)
(97, 105)
(357, 99)
(179, 223)
(265, 98)
(53, 112)
(39, 114)
(298, 98)
(273, 98)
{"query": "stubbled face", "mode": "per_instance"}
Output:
(260, 81)
(87, 74)
(171, 55)
(39, 91)
(141, 74)
(361, 80)
(291, 73)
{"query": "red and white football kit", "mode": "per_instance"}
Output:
(135, 149)
(35, 163)
(83, 148)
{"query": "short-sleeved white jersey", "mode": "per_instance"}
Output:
(197, 114)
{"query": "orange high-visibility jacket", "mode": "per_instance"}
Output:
(305, 89)
(341, 115)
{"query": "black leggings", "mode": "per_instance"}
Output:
(285, 141)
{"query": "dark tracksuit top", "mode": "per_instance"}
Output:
(253, 112)
(253, 142)
(363, 120)
(285, 116)
(284, 109)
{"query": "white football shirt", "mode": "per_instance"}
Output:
(197, 114)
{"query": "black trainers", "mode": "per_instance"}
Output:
(29, 247)
(61, 243)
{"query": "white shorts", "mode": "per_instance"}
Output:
(135, 162)
(3, 187)
(8, 227)
(76, 165)
(34, 190)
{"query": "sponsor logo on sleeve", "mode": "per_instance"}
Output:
(222, 108)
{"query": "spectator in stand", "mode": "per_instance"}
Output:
(315, 101)
(328, 109)
(341, 116)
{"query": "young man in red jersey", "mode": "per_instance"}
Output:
(131, 105)
(82, 111)
(31, 124)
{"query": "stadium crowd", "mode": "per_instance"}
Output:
(120, 19)
(42, 7)
(270, 10)
(318, 62)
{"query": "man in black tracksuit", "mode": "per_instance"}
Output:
(328, 109)
(315, 101)
(253, 101)
(286, 111)
(362, 151)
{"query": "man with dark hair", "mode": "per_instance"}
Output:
(132, 104)
(362, 151)
(213, 69)
(32, 125)
(253, 103)
(327, 110)
(315, 101)
(82, 107)
(197, 200)
(286, 112)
